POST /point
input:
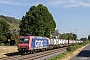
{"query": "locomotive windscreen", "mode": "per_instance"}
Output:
(24, 40)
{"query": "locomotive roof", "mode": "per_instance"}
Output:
(40, 37)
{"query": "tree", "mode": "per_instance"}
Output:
(69, 36)
(15, 37)
(37, 21)
(4, 29)
(89, 37)
(74, 36)
(63, 36)
(83, 39)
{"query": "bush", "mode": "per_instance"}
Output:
(2, 44)
(76, 46)
(58, 56)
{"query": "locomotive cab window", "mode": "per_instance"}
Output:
(24, 40)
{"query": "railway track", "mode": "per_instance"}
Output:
(34, 56)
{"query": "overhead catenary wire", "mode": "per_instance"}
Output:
(10, 13)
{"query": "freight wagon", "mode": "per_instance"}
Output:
(36, 43)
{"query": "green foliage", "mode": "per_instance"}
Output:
(74, 36)
(69, 36)
(86, 42)
(83, 39)
(89, 37)
(15, 37)
(38, 21)
(73, 48)
(53, 58)
(60, 56)
(4, 29)
(14, 23)
(2, 44)
(76, 46)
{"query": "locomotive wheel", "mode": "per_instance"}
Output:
(51, 48)
(42, 50)
(36, 50)
(32, 51)
(45, 49)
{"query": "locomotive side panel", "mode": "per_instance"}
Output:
(38, 43)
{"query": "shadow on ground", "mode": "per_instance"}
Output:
(12, 54)
(84, 53)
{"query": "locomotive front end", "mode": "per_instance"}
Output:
(23, 45)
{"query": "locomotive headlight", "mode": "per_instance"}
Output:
(29, 45)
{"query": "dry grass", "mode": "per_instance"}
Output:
(7, 49)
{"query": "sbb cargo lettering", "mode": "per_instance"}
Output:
(38, 43)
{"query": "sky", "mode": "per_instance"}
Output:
(69, 15)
